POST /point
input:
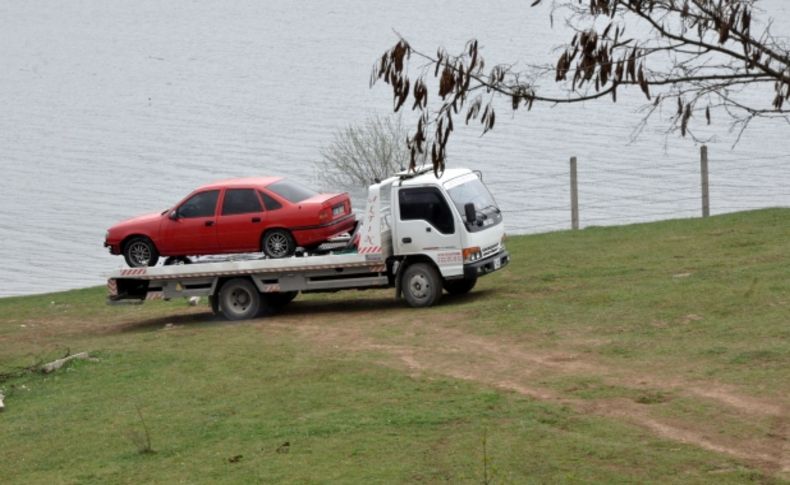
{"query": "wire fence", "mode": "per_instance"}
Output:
(538, 201)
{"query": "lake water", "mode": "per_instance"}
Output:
(115, 108)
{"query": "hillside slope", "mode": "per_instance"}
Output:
(652, 353)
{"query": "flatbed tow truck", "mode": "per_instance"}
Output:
(419, 234)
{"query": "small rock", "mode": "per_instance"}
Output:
(2, 402)
(168, 326)
(194, 300)
(681, 275)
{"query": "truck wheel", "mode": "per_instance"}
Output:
(421, 285)
(459, 287)
(140, 252)
(278, 243)
(239, 299)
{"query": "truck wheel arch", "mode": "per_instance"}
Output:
(433, 274)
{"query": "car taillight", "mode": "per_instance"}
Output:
(325, 215)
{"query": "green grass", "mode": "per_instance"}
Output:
(211, 391)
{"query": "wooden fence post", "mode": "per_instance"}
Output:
(574, 196)
(703, 161)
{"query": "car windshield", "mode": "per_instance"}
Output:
(475, 192)
(291, 191)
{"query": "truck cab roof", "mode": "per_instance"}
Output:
(423, 175)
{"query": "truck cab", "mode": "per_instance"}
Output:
(450, 223)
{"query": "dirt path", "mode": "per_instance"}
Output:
(746, 428)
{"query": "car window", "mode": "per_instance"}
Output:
(291, 191)
(240, 201)
(201, 204)
(428, 204)
(269, 202)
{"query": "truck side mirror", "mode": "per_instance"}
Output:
(470, 213)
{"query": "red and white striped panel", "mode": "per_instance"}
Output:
(133, 272)
(112, 287)
(271, 288)
(154, 295)
(369, 249)
(378, 269)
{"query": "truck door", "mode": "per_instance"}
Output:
(427, 225)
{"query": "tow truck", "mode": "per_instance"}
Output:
(420, 234)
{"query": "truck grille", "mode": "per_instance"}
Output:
(491, 250)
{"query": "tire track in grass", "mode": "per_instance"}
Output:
(520, 367)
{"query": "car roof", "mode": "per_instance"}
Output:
(241, 182)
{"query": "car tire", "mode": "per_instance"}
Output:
(460, 287)
(140, 252)
(278, 243)
(177, 261)
(239, 299)
(421, 285)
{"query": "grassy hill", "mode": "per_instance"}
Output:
(644, 353)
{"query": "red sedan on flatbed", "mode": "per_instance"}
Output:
(268, 214)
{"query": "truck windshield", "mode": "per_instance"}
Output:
(475, 192)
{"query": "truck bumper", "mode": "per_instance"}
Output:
(487, 265)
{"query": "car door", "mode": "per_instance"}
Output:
(240, 222)
(193, 230)
(426, 225)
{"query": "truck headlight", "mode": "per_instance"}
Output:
(472, 254)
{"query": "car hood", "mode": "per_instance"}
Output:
(144, 219)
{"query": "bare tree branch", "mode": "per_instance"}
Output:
(693, 56)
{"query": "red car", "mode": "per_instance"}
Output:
(268, 214)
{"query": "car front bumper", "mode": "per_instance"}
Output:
(113, 248)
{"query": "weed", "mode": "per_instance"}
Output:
(141, 439)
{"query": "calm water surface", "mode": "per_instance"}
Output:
(112, 109)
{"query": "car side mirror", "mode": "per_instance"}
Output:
(173, 215)
(470, 213)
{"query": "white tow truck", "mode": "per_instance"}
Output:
(419, 234)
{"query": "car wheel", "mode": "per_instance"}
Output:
(140, 252)
(177, 261)
(421, 285)
(239, 299)
(278, 243)
(459, 287)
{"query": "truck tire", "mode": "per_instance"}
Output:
(140, 252)
(421, 285)
(239, 299)
(460, 287)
